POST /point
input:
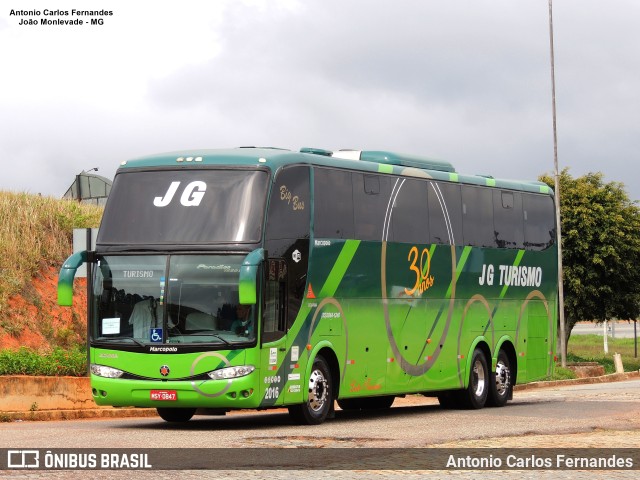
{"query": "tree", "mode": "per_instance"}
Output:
(600, 249)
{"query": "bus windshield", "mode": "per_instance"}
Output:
(178, 299)
(185, 207)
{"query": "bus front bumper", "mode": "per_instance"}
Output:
(228, 394)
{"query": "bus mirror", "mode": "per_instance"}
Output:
(67, 274)
(247, 285)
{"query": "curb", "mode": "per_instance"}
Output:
(613, 377)
(85, 413)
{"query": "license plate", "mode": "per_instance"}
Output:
(164, 395)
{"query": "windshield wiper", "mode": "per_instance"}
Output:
(206, 334)
(115, 339)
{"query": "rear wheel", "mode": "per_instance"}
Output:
(500, 386)
(320, 399)
(475, 395)
(176, 414)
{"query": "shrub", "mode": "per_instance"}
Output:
(57, 362)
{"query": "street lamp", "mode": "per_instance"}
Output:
(563, 341)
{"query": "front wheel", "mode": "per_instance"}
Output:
(501, 385)
(175, 415)
(320, 399)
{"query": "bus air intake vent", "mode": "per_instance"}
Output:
(405, 160)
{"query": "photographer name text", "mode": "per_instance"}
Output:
(48, 17)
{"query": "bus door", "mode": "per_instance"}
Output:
(274, 329)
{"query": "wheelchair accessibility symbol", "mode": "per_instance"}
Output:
(156, 335)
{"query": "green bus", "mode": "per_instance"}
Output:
(258, 278)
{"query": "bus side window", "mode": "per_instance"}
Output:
(275, 308)
(333, 214)
(477, 217)
(539, 221)
(508, 219)
(410, 214)
(445, 213)
(370, 200)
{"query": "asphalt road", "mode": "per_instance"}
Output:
(619, 330)
(594, 415)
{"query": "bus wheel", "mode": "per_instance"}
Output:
(176, 414)
(500, 385)
(475, 396)
(318, 405)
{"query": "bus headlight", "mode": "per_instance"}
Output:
(231, 372)
(104, 371)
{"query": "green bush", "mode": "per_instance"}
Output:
(589, 348)
(58, 362)
(562, 373)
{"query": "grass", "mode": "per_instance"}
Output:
(35, 232)
(590, 348)
(59, 361)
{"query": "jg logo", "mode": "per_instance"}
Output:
(191, 196)
(23, 459)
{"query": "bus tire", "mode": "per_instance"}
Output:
(320, 399)
(176, 415)
(500, 385)
(475, 395)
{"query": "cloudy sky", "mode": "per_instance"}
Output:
(466, 81)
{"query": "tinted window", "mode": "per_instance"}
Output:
(370, 202)
(477, 216)
(333, 207)
(410, 214)
(539, 221)
(289, 206)
(508, 219)
(445, 213)
(134, 302)
(184, 207)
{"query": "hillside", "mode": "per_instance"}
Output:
(35, 238)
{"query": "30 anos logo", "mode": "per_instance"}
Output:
(421, 269)
(191, 195)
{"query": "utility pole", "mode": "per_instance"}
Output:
(563, 339)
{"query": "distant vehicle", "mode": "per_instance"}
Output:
(258, 278)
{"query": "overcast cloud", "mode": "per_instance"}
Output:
(467, 81)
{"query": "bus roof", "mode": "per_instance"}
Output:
(368, 161)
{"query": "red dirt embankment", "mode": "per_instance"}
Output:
(35, 320)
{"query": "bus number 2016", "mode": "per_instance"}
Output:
(272, 393)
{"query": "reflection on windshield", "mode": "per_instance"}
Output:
(184, 207)
(197, 304)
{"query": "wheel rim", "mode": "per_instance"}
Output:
(479, 378)
(318, 390)
(503, 378)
